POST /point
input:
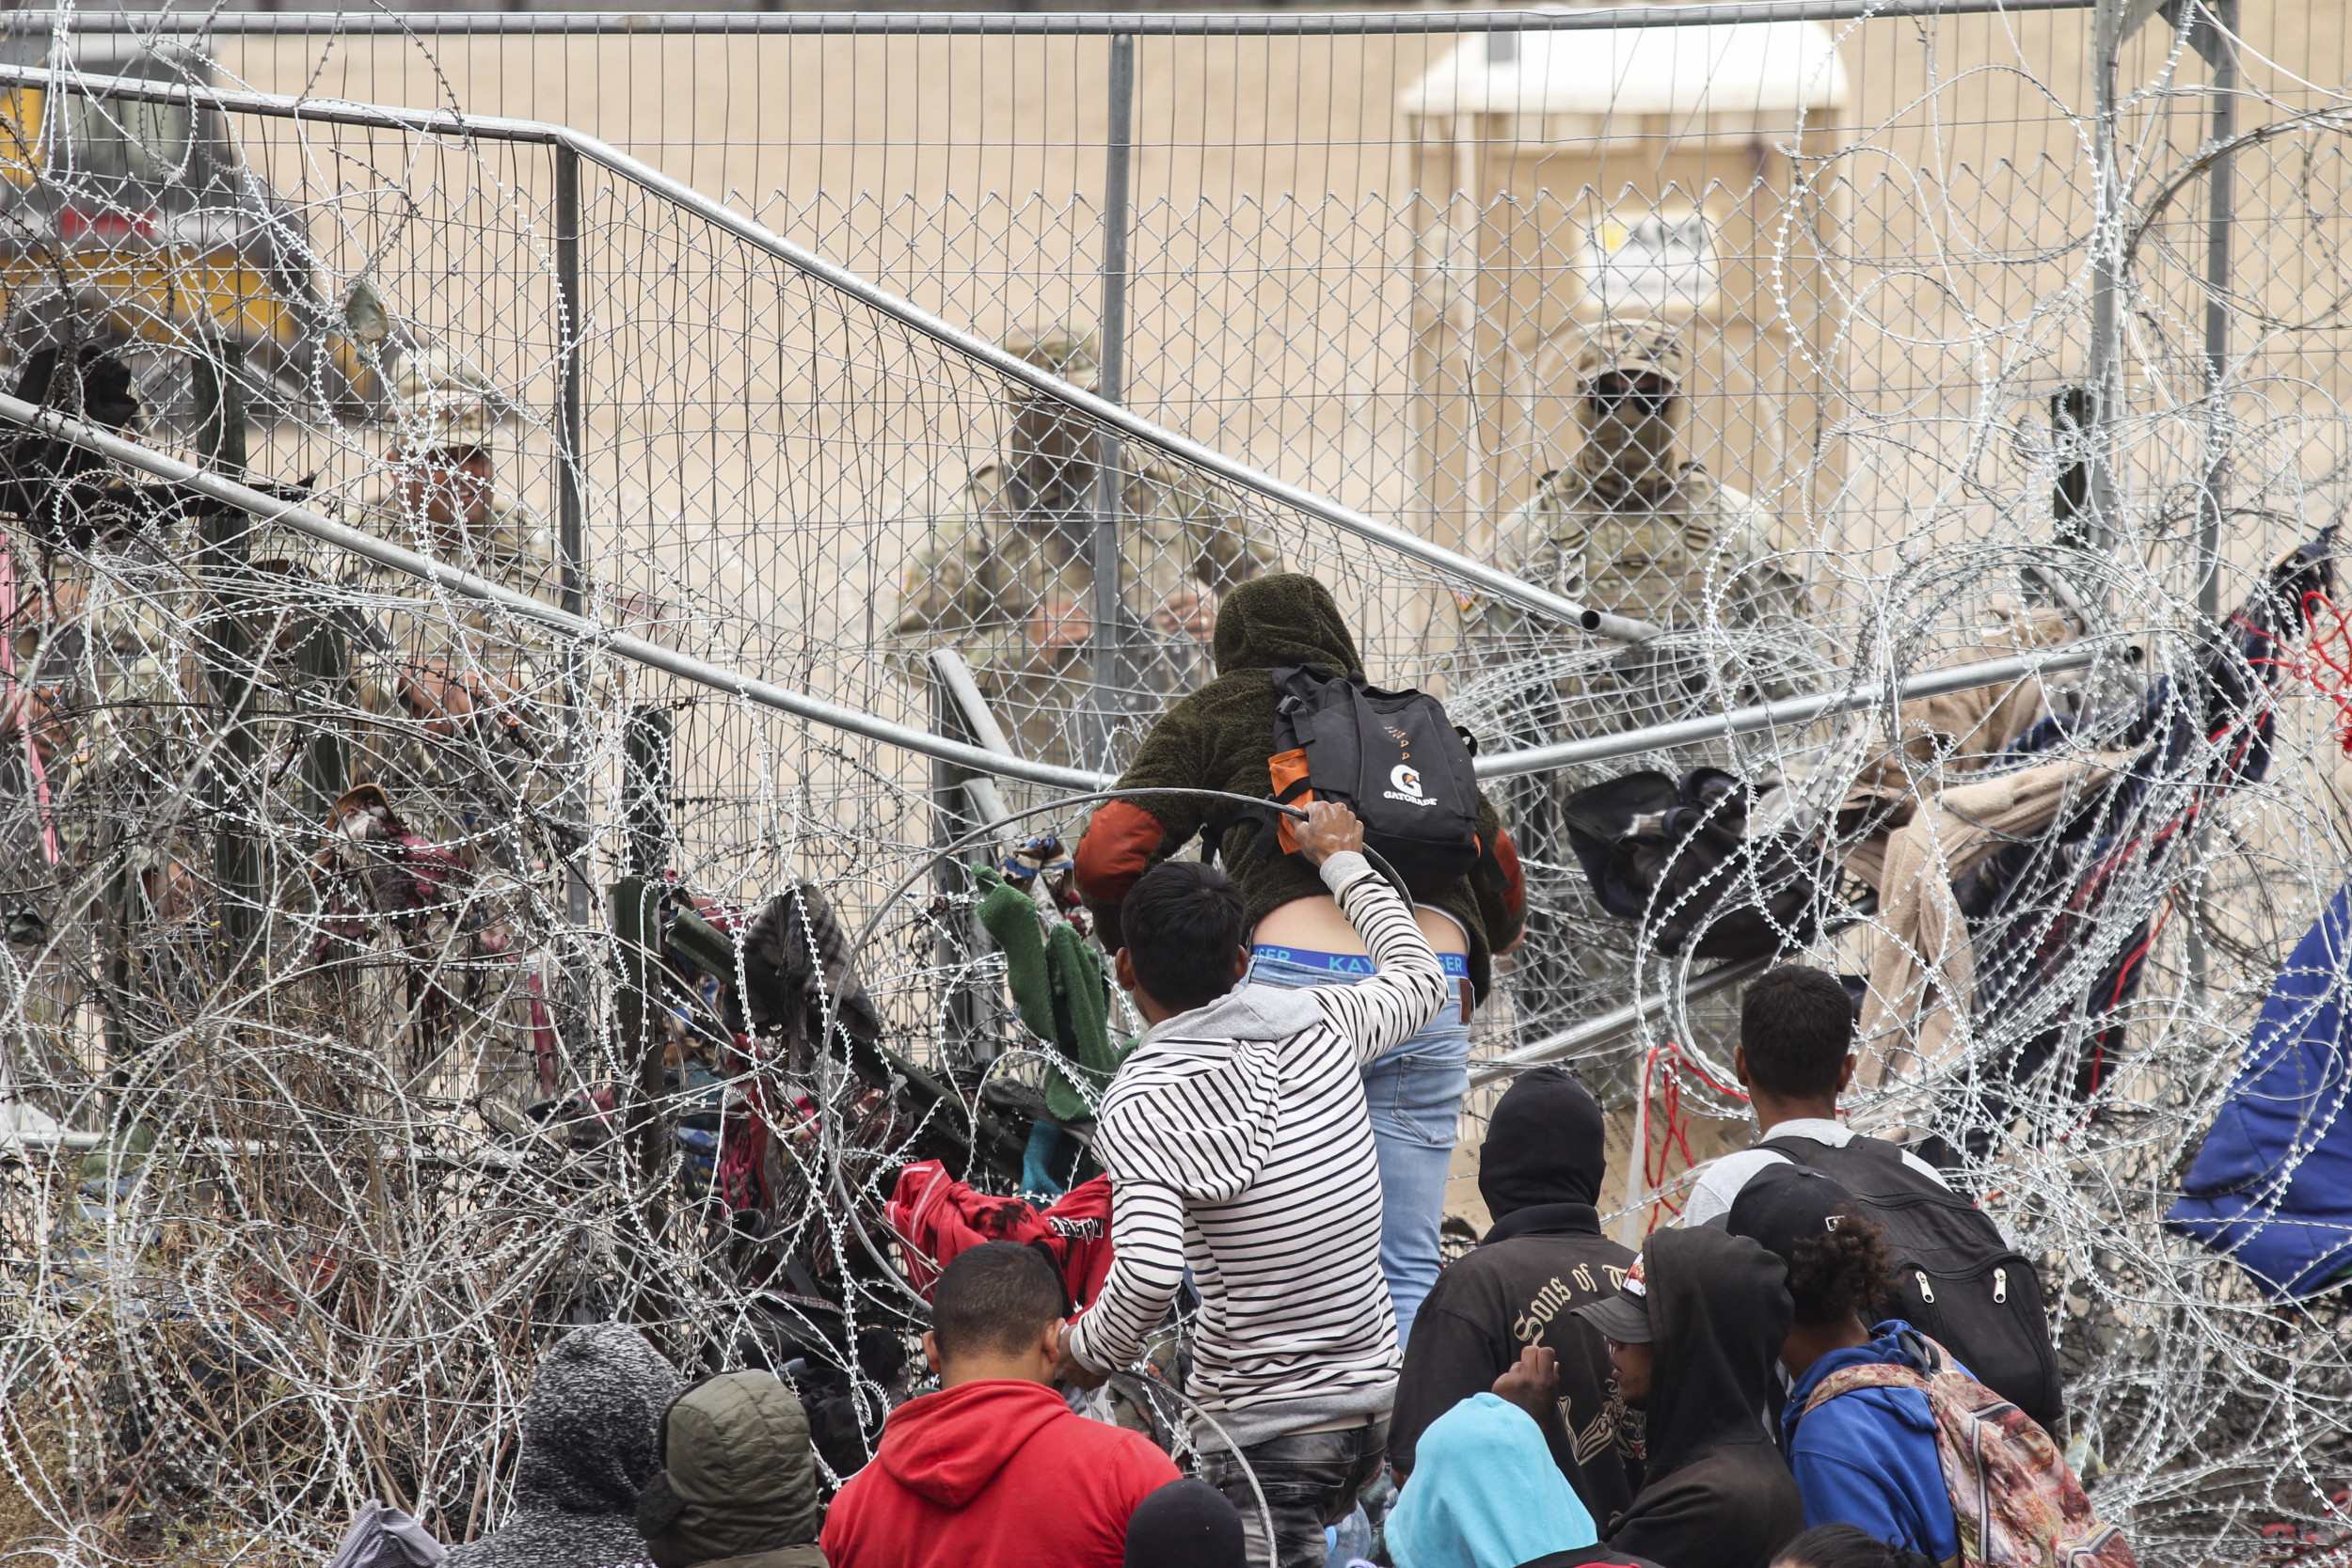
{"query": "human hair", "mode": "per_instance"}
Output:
(1796, 1025)
(1845, 1270)
(1846, 1546)
(1186, 1523)
(1183, 923)
(996, 1297)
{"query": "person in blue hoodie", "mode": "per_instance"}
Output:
(1865, 1457)
(1485, 1493)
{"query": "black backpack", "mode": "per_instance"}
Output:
(1680, 847)
(1391, 758)
(1956, 1281)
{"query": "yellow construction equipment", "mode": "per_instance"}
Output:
(138, 223)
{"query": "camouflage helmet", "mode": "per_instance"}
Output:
(442, 403)
(1631, 348)
(1057, 350)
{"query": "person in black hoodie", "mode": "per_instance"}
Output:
(1694, 1336)
(1539, 1172)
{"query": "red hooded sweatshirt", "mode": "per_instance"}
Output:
(994, 1474)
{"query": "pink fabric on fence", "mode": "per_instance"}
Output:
(15, 706)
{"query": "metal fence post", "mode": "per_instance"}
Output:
(571, 516)
(1110, 675)
(219, 394)
(646, 786)
(2106, 240)
(636, 930)
(967, 1007)
(2221, 218)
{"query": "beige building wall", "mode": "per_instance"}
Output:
(1906, 282)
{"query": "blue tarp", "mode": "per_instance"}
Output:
(2272, 1187)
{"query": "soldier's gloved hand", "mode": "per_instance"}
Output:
(1193, 614)
(1058, 625)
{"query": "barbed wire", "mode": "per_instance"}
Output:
(391, 980)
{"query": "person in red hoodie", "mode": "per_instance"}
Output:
(995, 1467)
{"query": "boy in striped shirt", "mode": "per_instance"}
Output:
(1238, 1144)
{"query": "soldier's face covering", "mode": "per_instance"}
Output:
(1049, 447)
(1632, 429)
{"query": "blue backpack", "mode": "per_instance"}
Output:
(2271, 1187)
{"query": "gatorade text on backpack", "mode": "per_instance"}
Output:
(1956, 1280)
(1391, 758)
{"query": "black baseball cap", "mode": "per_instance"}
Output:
(1785, 1204)
(1623, 1317)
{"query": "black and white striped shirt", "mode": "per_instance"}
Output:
(1237, 1141)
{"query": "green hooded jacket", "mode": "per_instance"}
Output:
(1220, 738)
(738, 1484)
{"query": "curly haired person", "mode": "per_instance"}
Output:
(1867, 1457)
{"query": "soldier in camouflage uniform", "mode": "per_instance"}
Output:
(105, 734)
(1007, 578)
(101, 732)
(464, 710)
(464, 702)
(1631, 525)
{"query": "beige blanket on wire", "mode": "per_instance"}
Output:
(1962, 730)
(1922, 967)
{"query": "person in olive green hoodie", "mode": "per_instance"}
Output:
(738, 1482)
(1220, 738)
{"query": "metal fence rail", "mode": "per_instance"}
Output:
(998, 759)
(1013, 24)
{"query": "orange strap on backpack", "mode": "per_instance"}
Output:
(1287, 771)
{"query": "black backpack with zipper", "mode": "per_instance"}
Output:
(1956, 1280)
(1391, 758)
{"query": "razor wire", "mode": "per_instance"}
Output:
(326, 1107)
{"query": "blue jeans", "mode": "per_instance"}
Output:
(1414, 1094)
(1309, 1479)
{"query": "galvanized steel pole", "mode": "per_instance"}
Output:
(1110, 674)
(800, 704)
(2220, 223)
(571, 504)
(2106, 376)
(482, 23)
(2220, 220)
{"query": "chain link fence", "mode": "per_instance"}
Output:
(1813, 352)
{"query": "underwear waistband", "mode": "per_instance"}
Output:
(1456, 965)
